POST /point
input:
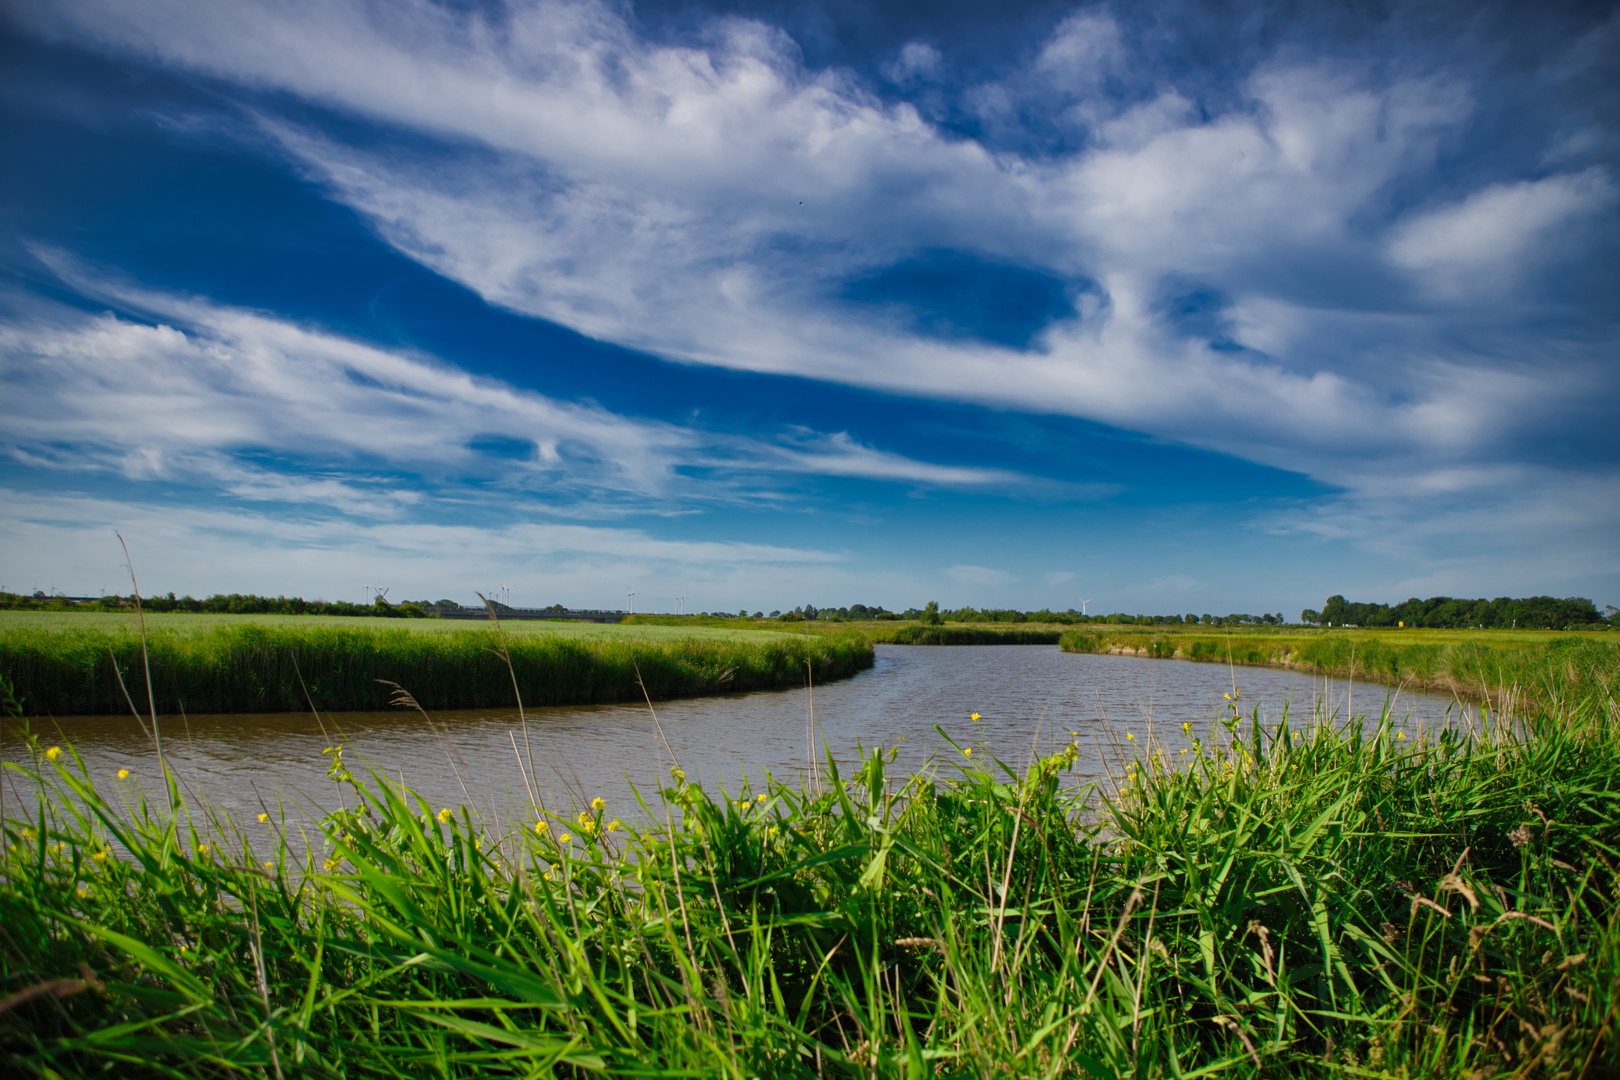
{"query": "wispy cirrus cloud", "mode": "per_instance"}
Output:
(69, 538)
(963, 574)
(266, 410)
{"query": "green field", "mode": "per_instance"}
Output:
(1307, 900)
(72, 664)
(1502, 666)
(187, 625)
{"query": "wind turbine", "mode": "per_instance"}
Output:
(680, 604)
(1083, 604)
(629, 608)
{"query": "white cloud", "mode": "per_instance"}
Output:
(69, 539)
(979, 575)
(1174, 583)
(200, 397)
(1058, 577)
(704, 203)
(1488, 241)
(1448, 530)
(917, 62)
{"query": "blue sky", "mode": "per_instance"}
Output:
(1198, 308)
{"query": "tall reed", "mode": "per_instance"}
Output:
(248, 667)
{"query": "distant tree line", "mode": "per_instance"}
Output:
(934, 615)
(223, 604)
(1444, 612)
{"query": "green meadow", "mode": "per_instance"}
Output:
(1503, 666)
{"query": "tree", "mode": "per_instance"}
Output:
(930, 613)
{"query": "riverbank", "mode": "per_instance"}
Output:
(1500, 667)
(1315, 902)
(879, 631)
(70, 665)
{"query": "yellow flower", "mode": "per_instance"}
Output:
(583, 817)
(589, 826)
(541, 827)
(1183, 749)
(84, 893)
(445, 815)
(598, 804)
(1128, 735)
(614, 826)
(263, 818)
(202, 849)
(547, 875)
(762, 798)
(123, 774)
(100, 856)
(330, 865)
(1186, 728)
(1228, 697)
(564, 838)
(1401, 735)
(268, 865)
(771, 831)
(53, 753)
(968, 751)
(974, 716)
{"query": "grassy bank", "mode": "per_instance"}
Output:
(879, 631)
(1478, 665)
(1309, 902)
(219, 664)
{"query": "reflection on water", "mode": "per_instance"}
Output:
(246, 764)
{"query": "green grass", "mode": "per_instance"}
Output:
(1309, 900)
(72, 664)
(183, 624)
(1480, 665)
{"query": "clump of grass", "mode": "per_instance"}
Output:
(1300, 901)
(252, 667)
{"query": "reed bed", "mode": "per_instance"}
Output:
(1316, 899)
(1543, 668)
(253, 666)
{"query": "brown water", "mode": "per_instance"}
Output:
(246, 764)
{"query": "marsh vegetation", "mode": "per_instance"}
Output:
(1302, 898)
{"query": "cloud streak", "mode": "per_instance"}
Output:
(703, 202)
(266, 410)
